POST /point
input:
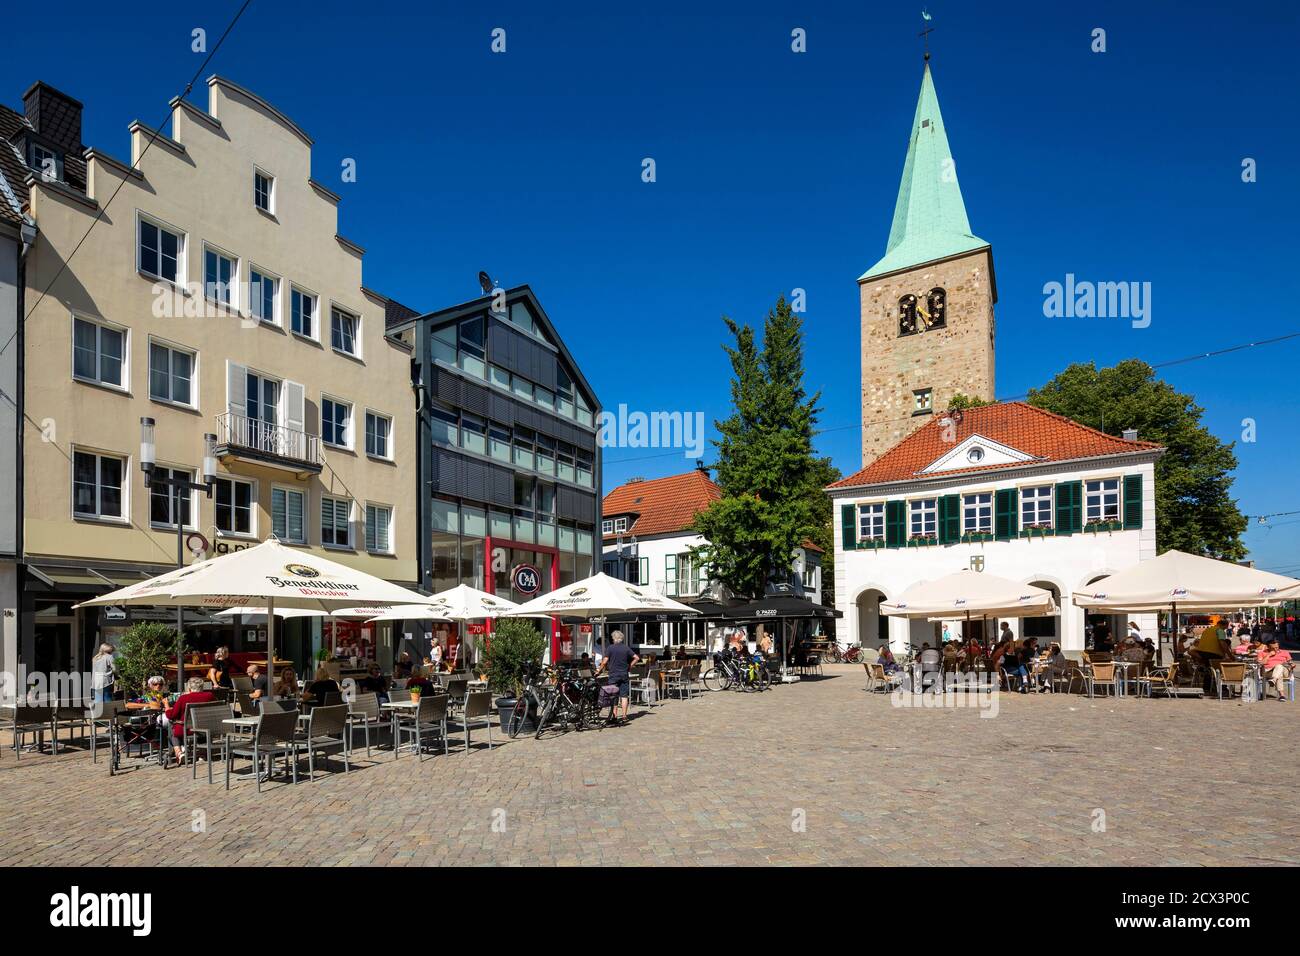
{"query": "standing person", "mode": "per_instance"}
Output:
(219, 672)
(102, 674)
(437, 656)
(1006, 634)
(618, 661)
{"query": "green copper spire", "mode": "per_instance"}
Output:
(930, 219)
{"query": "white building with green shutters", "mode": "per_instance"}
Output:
(1008, 489)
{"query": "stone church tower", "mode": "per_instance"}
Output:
(927, 306)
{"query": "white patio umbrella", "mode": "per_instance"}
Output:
(257, 615)
(595, 598)
(459, 604)
(268, 575)
(970, 593)
(1188, 582)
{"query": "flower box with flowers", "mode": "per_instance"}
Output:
(871, 544)
(1095, 526)
(975, 537)
(1037, 530)
(922, 540)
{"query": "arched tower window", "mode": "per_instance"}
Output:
(936, 303)
(907, 315)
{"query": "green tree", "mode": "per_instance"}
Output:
(962, 401)
(771, 480)
(1194, 511)
(143, 651)
(514, 647)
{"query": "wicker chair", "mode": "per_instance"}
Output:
(1229, 676)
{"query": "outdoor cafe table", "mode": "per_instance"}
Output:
(1122, 678)
(395, 709)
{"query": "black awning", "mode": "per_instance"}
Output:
(781, 607)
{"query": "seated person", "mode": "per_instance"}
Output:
(323, 684)
(219, 672)
(403, 668)
(261, 686)
(1276, 664)
(929, 656)
(286, 682)
(419, 680)
(374, 683)
(1246, 647)
(155, 692)
(175, 714)
(950, 652)
(887, 659)
(1057, 663)
(1133, 651)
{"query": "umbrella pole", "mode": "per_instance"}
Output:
(270, 648)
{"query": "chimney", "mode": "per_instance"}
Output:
(1130, 434)
(55, 116)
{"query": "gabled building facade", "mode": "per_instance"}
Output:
(214, 296)
(508, 457)
(1010, 489)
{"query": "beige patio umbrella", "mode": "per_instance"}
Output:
(257, 615)
(970, 593)
(1188, 582)
(595, 598)
(268, 575)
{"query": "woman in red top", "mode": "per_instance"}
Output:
(175, 714)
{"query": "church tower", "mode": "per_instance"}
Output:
(927, 306)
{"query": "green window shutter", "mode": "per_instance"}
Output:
(895, 524)
(670, 574)
(949, 519)
(1006, 514)
(1069, 507)
(849, 527)
(1132, 501)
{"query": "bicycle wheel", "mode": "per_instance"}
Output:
(518, 716)
(715, 679)
(837, 654)
(545, 716)
(764, 678)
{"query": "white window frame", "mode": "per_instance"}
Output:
(388, 438)
(269, 208)
(125, 331)
(189, 471)
(315, 313)
(606, 526)
(928, 510)
(349, 426)
(125, 488)
(38, 167)
(1102, 493)
(182, 250)
(871, 515)
(365, 532)
(1036, 503)
(922, 400)
(276, 305)
(231, 302)
(356, 330)
(194, 373)
(251, 533)
(972, 521)
(306, 513)
(320, 522)
(620, 525)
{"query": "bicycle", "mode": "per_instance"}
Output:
(573, 702)
(732, 673)
(847, 655)
(538, 684)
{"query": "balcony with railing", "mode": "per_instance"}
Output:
(265, 443)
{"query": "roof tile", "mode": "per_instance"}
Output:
(1034, 431)
(662, 505)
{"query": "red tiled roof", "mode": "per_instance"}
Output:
(1034, 431)
(662, 505)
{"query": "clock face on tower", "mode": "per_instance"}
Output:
(917, 316)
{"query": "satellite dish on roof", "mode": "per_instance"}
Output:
(485, 282)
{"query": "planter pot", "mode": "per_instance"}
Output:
(505, 706)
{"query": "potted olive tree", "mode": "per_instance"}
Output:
(514, 648)
(144, 650)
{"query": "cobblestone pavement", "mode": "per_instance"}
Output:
(820, 772)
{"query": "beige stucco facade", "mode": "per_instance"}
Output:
(197, 180)
(955, 358)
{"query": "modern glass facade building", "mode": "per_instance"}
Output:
(509, 467)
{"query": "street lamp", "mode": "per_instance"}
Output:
(177, 483)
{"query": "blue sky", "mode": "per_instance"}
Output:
(778, 170)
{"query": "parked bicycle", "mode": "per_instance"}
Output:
(846, 655)
(539, 684)
(737, 673)
(573, 702)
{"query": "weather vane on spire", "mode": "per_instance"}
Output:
(925, 34)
